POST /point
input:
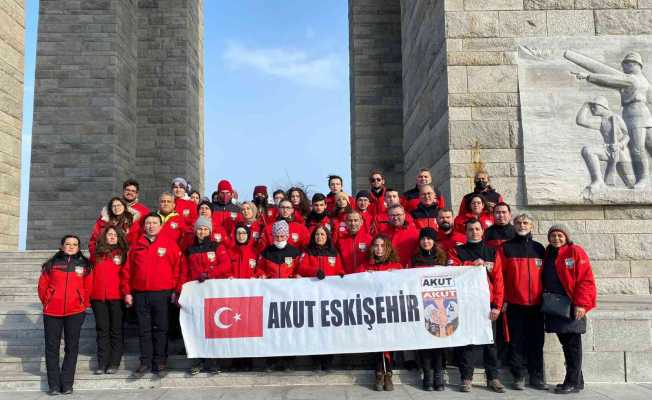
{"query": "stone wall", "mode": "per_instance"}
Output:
(376, 93)
(12, 50)
(481, 127)
(118, 95)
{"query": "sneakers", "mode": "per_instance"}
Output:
(496, 386)
(111, 370)
(195, 369)
(380, 381)
(388, 384)
(99, 371)
(466, 386)
(518, 384)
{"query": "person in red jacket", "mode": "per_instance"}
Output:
(410, 199)
(106, 298)
(502, 230)
(117, 215)
(298, 237)
(363, 205)
(266, 212)
(354, 245)
(225, 212)
(425, 213)
(476, 252)
(300, 202)
(404, 236)
(447, 237)
(249, 213)
(479, 211)
(173, 224)
(381, 221)
(343, 207)
(218, 234)
(148, 281)
(318, 216)
(185, 208)
(522, 259)
(64, 289)
(377, 192)
(243, 253)
(382, 257)
(130, 191)
(205, 259)
(567, 273)
(482, 187)
(195, 197)
(336, 185)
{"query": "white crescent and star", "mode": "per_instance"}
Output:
(218, 315)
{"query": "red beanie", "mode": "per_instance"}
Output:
(224, 185)
(260, 190)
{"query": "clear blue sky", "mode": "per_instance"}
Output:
(276, 94)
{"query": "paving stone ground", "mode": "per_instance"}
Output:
(593, 392)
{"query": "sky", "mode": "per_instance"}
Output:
(276, 94)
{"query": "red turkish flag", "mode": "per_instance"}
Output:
(233, 317)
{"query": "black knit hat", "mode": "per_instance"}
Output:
(428, 232)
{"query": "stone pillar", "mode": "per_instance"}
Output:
(119, 93)
(376, 93)
(12, 51)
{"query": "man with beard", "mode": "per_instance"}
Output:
(377, 192)
(482, 187)
(502, 230)
(447, 237)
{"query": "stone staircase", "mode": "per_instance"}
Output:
(617, 346)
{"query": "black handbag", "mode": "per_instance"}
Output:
(556, 304)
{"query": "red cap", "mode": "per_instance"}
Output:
(224, 185)
(260, 190)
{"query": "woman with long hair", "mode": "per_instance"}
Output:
(106, 298)
(382, 257)
(338, 216)
(117, 214)
(300, 202)
(479, 209)
(64, 290)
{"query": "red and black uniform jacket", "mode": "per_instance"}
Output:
(338, 225)
(576, 276)
(278, 263)
(377, 201)
(467, 253)
(299, 236)
(244, 258)
(132, 233)
(354, 250)
(382, 225)
(153, 266)
(490, 195)
(425, 259)
(425, 216)
(173, 228)
(226, 215)
(386, 266)
(207, 260)
(496, 235)
(255, 230)
(449, 240)
(486, 219)
(268, 215)
(368, 220)
(298, 216)
(218, 234)
(313, 260)
(405, 240)
(107, 270)
(522, 261)
(313, 220)
(330, 202)
(410, 199)
(65, 285)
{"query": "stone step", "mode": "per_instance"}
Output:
(18, 290)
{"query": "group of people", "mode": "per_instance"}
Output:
(141, 258)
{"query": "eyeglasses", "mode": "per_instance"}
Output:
(376, 179)
(396, 215)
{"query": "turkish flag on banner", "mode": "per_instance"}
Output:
(233, 317)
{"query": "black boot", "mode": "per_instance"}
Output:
(438, 381)
(428, 377)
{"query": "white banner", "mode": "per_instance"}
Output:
(406, 309)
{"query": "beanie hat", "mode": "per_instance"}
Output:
(203, 222)
(206, 202)
(428, 232)
(260, 190)
(560, 228)
(224, 185)
(181, 182)
(363, 193)
(280, 228)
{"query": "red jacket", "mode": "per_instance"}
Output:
(226, 215)
(368, 221)
(208, 259)
(522, 261)
(312, 222)
(330, 202)
(410, 199)
(576, 275)
(338, 225)
(450, 240)
(299, 236)
(405, 240)
(377, 203)
(173, 228)
(255, 230)
(354, 250)
(388, 266)
(65, 285)
(187, 209)
(278, 263)
(106, 276)
(244, 259)
(139, 211)
(309, 264)
(382, 224)
(268, 216)
(486, 220)
(496, 235)
(425, 216)
(132, 233)
(466, 254)
(490, 195)
(152, 266)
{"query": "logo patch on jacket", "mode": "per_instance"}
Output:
(331, 260)
(362, 246)
(538, 262)
(256, 235)
(252, 263)
(288, 261)
(186, 212)
(295, 237)
(234, 215)
(218, 237)
(161, 251)
(489, 265)
(570, 263)
(117, 260)
(174, 225)
(269, 213)
(211, 255)
(79, 271)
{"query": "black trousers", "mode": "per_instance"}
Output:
(383, 362)
(152, 315)
(108, 326)
(62, 378)
(571, 344)
(432, 359)
(466, 360)
(526, 341)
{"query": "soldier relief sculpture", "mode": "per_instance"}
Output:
(627, 138)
